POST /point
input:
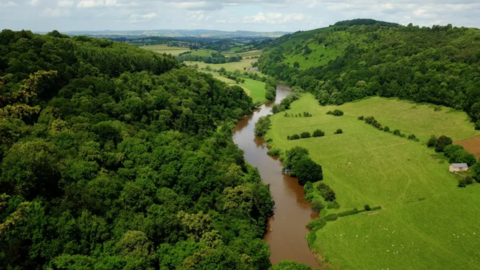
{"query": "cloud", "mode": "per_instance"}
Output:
(134, 18)
(33, 2)
(7, 4)
(273, 18)
(90, 3)
(65, 3)
(259, 15)
(55, 12)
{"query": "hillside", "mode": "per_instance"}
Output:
(114, 157)
(342, 63)
(422, 219)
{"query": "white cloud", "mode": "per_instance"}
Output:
(90, 3)
(33, 2)
(7, 4)
(55, 12)
(273, 18)
(139, 17)
(65, 3)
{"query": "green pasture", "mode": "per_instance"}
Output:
(427, 222)
(245, 63)
(162, 48)
(255, 89)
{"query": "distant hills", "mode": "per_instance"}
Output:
(172, 33)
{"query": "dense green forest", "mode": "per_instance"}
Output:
(355, 59)
(113, 157)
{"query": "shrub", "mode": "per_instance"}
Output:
(295, 137)
(262, 126)
(329, 112)
(432, 142)
(333, 205)
(369, 120)
(397, 132)
(331, 217)
(469, 180)
(317, 205)
(274, 152)
(317, 223)
(367, 207)
(462, 183)
(326, 191)
(339, 131)
(477, 125)
(386, 129)
(412, 137)
(305, 135)
(361, 117)
(442, 142)
(337, 113)
(318, 133)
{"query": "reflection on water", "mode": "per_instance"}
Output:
(286, 230)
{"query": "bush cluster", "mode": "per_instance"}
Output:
(373, 122)
(302, 166)
(306, 135)
(457, 154)
(335, 113)
(327, 192)
(262, 126)
(305, 114)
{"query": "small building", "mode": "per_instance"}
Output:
(458, 167)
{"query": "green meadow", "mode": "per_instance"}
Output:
(255, 89)
(245, 63)
(426, 221)
(162, 48)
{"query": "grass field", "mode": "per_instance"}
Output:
(253, 88)
(427, 222)
(245, 54)
(162, 48)
(245, 63)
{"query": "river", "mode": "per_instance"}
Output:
(286, 231)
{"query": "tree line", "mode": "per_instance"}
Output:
(112, 157)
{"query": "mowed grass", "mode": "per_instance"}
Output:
(162, 48)
(427, 221)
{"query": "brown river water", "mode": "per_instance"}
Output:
(286, 231)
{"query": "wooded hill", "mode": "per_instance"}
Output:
(355, 59)
(113, 157)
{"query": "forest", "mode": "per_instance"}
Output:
(113, 157)
(438, 64)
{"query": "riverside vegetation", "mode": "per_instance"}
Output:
(399, 205)
(113, 157)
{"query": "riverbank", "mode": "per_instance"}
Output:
(286, 230)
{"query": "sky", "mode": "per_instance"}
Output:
(227, 15)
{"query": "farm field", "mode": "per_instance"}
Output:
(245, 63)
(255, 89)
(427, 222)
(162, 48)
(245, 54)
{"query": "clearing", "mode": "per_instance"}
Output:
(163, 48)
(427, 221)
(245, 63)
(255, 89)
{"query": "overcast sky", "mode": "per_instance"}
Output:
(230, 15)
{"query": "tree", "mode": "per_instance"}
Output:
(296, 65)
(432, 142)
(307, 170)
(442, 142)
(339, 131)
(305, 135)
(318, 133)
(136, 244)
(317, 205)
(31, 168)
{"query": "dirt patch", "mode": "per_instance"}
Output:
(472, 145)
